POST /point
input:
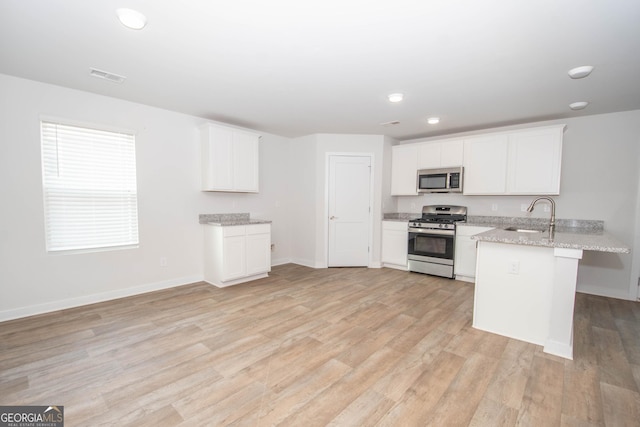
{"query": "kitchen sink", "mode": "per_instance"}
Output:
(524, 230)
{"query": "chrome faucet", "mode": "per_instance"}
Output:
(552, 223)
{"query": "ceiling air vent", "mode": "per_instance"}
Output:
(106, 76)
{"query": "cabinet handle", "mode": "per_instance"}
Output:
(333, 217)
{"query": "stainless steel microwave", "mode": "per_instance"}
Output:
(445, 180)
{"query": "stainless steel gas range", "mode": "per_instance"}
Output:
(432, 239)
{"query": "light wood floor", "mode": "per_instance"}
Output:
(305, 347)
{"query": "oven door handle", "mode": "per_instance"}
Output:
(432, 231)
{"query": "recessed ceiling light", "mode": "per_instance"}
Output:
(433, 120)
(580, 105)
(580, 72)
(131, 18)
(396, 97)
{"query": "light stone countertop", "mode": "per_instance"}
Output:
(229, 220)
(238, 222)
(568, 238)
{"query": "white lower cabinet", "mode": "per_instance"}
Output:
(465, 252)
(394, 244)
(236, 254)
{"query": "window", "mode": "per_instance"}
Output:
(89, 182)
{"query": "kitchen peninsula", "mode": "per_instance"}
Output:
(526, 281)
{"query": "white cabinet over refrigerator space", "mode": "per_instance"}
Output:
(230, 159)
(485, 164)
(521, 162)
(236, 254)
(534, 161)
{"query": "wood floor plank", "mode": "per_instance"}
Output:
(365, 411)
(395, 383)
(494, 414)
(621, 406)
(461, 399)
(416, 404)
(582, 395)
(508, 384)
(542, 400)
(299, 393)
(343, 346)
(349, 388)
(614, 365)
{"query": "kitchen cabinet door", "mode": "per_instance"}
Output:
(217, 158)
(404, 170)
(233, 258)
(452, 153)
(258, 249)
(395, 238)
(534, 161)
(465, 252)
(245, 162)
(429, 154)
(485, 164)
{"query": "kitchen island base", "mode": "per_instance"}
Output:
(527, 293)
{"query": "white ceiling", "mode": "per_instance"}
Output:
(294, 67)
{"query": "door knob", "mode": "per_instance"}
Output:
(333, 217)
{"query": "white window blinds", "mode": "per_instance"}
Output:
(90, 195)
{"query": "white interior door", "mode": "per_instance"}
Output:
(349, 210)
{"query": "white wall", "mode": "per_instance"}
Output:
(302, 189)
(309, 190)
(600, 173)
(169, 201)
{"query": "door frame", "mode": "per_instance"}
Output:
(327, 161)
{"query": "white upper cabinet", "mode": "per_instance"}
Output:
(229, 159)
(438, 154)
(404, 168)
(485, 164)
(452, 153)
(519, 162)
(534, 161)
(523, 162)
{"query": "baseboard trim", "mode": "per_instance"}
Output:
(603, 292)
(49, 307)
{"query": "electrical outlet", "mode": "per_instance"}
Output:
(163, 261)
(523, 207)
(547, 208)
(494, 207)
(513, 267)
